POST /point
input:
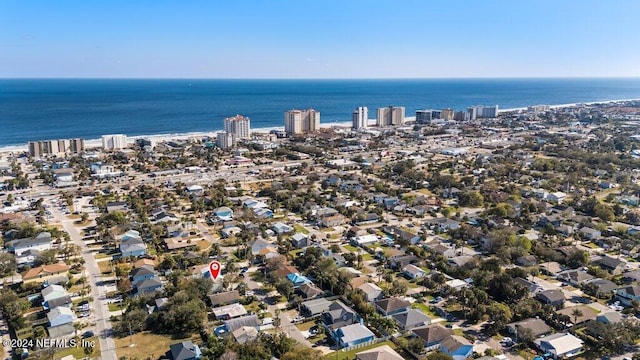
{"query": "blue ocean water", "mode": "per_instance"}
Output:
(36, 109)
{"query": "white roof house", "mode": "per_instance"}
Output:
(365, 239)
(560, 345)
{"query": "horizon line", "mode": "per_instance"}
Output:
(318, 78)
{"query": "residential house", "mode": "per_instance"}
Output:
(27, 258)
(120, 206)
(411, 319)
(363, 240)
(185, 350)
(338, 315)
(574, 277)
(298, 280)
(603, 287)
(413, 272)
(457, 347)
(372, 292)
(148, 286)
(384, 352)
(556, 197)
(612, 265)
(335, 220)
(176, 230)
(281, 228)
(54, 296)
(590, 234)
(560, 345)
(314, 307)
(536, 326)
(609, 317)
(526, 261)
(229, 311)
(587, 314)
(398, 262)
(392, 306)
(142, 273)
(60, 316)
(224, 298)
(554, 298)
(131, 244)
(531, 286)
(243, 321)
(299, 240)
(309, 291)
(245, 334)
(628, 294)
(40, 243)
(351, 335)
(44, 272)
(432, 335)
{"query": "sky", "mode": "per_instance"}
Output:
(319, 38)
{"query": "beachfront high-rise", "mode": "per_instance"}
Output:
(360, 117)
(424, 116)
(58, 147)
(482, 112)
(239, 126)
(114, 142)
(225, 140)
(301, 121)
(390, 115)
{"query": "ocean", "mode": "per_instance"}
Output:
(38, 109)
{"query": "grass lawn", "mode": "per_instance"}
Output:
(317, 338)
(203, 244)
(328, 229)
(105, 267)
(425, 309)
(115, 306)
(254, 306)
(305, 325)
(367, 257)
(294, 253)
(350, 248)
(101, 256)
(152, 345)
(78, 351)
(350, 355)
(299, 228)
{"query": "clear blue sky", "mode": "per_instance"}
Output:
(319, 39)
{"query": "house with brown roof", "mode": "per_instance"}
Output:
(392, 306)
(44, 272)
(224, 298)
(432, 335)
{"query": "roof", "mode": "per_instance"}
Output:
(432, 333)
(610, 262)
(44, 270)
(249, 320)
(184, 350)
(233, 310)
(412, 269)
(537, 326)
(610, 317)
(411, 318)
(454, 342)
(148, 284)
(245, 334)
(42, 238)
(354, 332)
(55, 290)
(384, 352)
(370, 288)
(226, 297)
(561, 342)
(633, 290)
(551, 295)
(391, 304)
(143, 270)
(59, 311)
(317, 306)
(309, 290)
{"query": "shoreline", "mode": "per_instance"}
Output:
(95, 143)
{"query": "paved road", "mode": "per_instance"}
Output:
(100, 306)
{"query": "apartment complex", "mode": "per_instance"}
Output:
(301, 121)
(225, 140)
(55, 147)
(360, 117)
(114, 142)
(391, 115)
(239, 126)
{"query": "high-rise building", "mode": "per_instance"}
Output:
(461, 116)
(447, 114)
(56, 147)
(482, 112)
(390, 115)
(225, 140)
(301, 121)
(239, 126)
(538, 108)
(114, 142)
(423, 116)
(360, 117)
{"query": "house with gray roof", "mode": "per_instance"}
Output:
(351, 335)
(432, 335)
(338, 315)
(247, 320)
(224, 298)
(554, 298)
(371, 291)
(537, 327)
(40, 242)
(628, 294)
(185, 350)
(314, 307)
(391, 306)
(411, 319)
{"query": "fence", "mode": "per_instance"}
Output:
(370, 342)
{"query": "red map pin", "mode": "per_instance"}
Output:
(214, 269)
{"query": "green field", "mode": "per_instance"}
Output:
(299, 228)
(350, 355)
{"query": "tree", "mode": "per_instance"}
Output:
(439, 356)
(46, 257)
(302, 353)
(415, 345)
(124, 285)
(576, 313)
(604, 212)
(88, 349)
(84, 217)
(7, 264)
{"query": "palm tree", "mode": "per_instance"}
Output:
(576, 313)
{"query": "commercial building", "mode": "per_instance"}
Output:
(55, 147)
(360, 117)
(114, 142)
(391, 115)
(239, 126)
(423, 116)
(447, 114)
(301, 121)
(538, 108)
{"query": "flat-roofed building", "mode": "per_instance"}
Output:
(301, 121)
